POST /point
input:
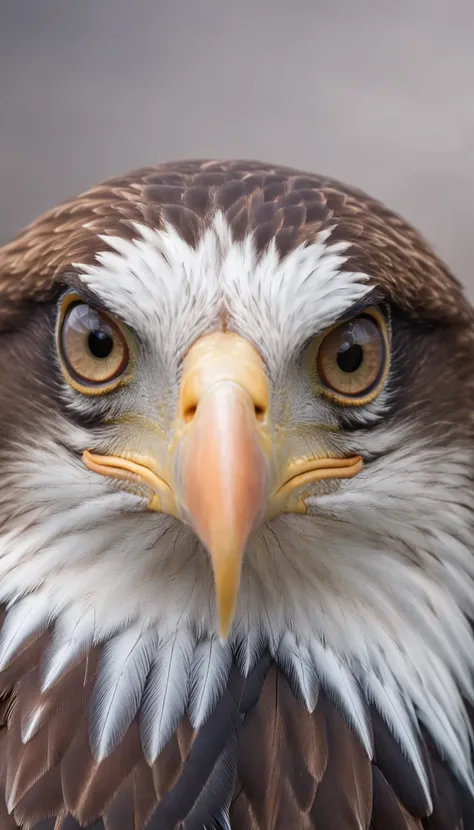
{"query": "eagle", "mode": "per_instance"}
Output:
(236, 511)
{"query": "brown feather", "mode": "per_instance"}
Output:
(280, 781)
(27, 659)
(42, 800)
(144, 793)
(168, 765)
(120, 812)
(387, 812)
(344, 797)
(293, 768)
(88, 785)
(274, 202)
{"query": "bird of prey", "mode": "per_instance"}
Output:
(236, 511)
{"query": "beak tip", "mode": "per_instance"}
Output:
(223, 637)
(226, 612)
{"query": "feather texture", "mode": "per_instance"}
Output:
(340, 684)
(209, 672)
(387, 812)
(398, 769)
(26, 619)
(118, 691)
(344, 797)
(282, 758)
(71, 639)
(299, 667)
(400, 717)
(166, 693)
(260, 760)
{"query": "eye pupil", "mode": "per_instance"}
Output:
(92, 347)
(350, 357)
(100, 343)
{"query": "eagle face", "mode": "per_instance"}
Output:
(236, 440)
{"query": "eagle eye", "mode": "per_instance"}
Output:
(92, 347)
(352, 359)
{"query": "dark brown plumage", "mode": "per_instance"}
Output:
(273, 201)
(261, 751)
(261, 760)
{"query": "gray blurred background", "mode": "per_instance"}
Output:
(373, 92)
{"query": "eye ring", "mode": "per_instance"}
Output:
(353, 359)
(92, 346)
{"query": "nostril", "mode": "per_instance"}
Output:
(259, 412)
(189, 412)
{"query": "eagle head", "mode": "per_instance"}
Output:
(236, 448)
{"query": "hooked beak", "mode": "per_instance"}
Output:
(224, 475)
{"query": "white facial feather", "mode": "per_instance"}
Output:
(368, 597)
(158, 284)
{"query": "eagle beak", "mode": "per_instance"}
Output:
(222, 464)
(226, 474)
